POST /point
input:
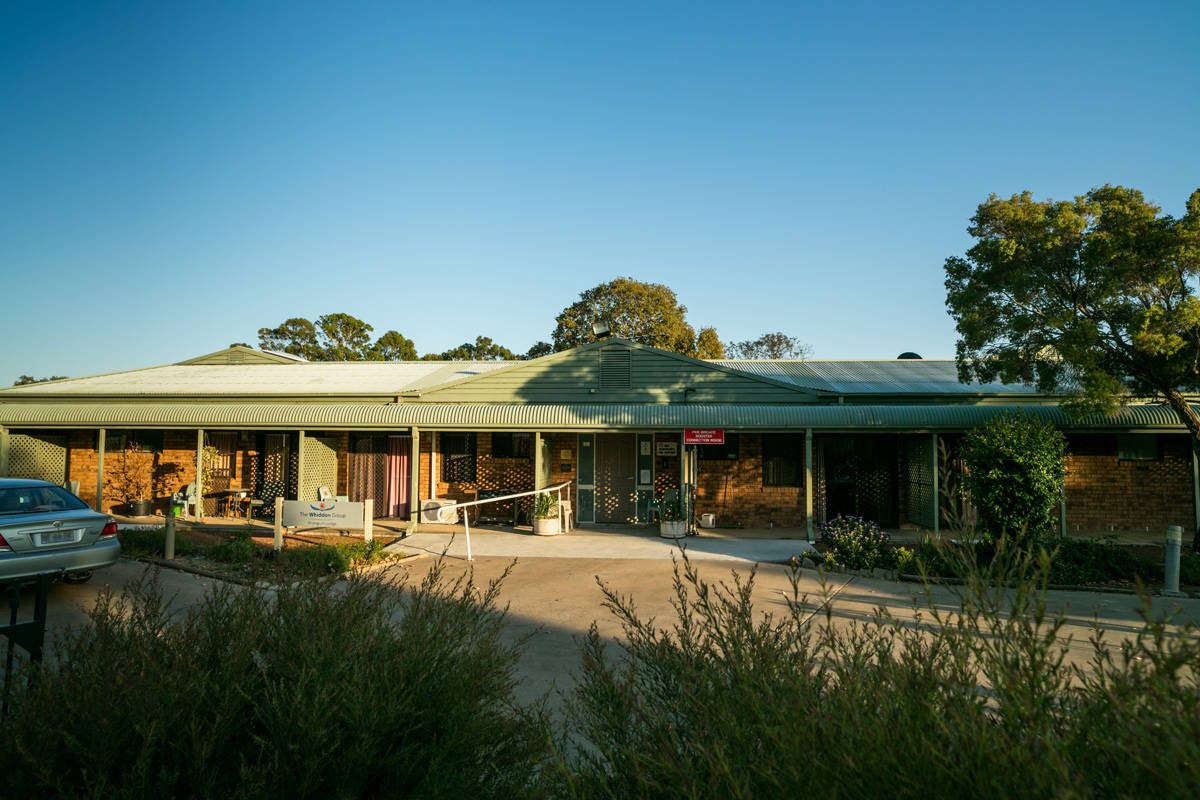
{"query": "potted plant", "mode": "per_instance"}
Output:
(546, 520)
(672, 525)
(130, 479)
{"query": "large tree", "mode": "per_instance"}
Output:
(393, 346)
(769, 345)
(648, 313)
(1094, 297)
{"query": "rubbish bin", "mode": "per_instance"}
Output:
(177, 505)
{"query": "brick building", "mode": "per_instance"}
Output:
(802, 440)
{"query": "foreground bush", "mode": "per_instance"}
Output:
(974, 703)
(355, 690)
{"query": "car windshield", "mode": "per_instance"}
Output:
(35, 499)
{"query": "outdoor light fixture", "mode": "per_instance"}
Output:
(600, 330)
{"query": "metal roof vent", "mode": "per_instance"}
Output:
(615, 369)
(908, 355)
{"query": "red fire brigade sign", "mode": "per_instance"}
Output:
(703, 436)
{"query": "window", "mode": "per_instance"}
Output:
(720, 452)
(512, 445)
(137, 441)
(226, 463)
(458, 457)
(1137, 446)
(781, 458)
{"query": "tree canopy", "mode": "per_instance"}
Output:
(769, 345)
(1093, 297)
(335, 337)
(648, 313)
(484, 349)
(25, 380)
(708, 344)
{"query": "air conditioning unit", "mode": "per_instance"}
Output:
(439, 511)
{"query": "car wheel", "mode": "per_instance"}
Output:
(78, 577)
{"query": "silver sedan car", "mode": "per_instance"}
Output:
(45, 528)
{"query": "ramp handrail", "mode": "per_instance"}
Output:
(469, 503)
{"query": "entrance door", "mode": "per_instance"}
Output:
(616, 478)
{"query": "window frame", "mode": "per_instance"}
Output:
(775, 456)
(519, 444)
(453, 462)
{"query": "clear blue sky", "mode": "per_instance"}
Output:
(174, 176)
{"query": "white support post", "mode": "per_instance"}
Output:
(199, 474)
(537, 459)
(467, 528)
(101, 443)
(1195, 490)
(300, 465)
(368, 519)
(414, 481)
(937, 506)
(808, 485)
(278, 523)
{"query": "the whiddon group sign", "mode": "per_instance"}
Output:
(322, 514)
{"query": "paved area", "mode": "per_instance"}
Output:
(552, 601)
(620, 543)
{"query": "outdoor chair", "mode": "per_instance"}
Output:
(191, 498)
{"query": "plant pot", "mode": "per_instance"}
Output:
(547, 526)
(139, 508)
(672, 528)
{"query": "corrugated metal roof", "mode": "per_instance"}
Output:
(903, 376)
(558, 416)
(344, 378)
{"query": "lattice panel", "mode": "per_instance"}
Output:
(276, 471)
(918, 490)
(320, 466)
(873, 488)
(40, 457)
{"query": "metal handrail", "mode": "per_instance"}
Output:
(467, 518)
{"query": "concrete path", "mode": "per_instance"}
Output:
(617, 544)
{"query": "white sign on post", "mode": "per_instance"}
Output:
(322, 514)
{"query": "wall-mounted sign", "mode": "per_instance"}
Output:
(703, 436)
(666, 448)
(645, 447)
(318, 514)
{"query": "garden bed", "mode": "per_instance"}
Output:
(243, 558)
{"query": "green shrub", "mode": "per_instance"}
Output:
(975, 701)
(361, 689)
(1015, 467)
(150, 542)
(854, 543)
(238, 548)
(1189, 569)
(1097, 561)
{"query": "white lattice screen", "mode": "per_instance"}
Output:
(41, 457)
(320, 466)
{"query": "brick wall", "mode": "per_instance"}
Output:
(733, 490)
(1108, 495)
(164, 472)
